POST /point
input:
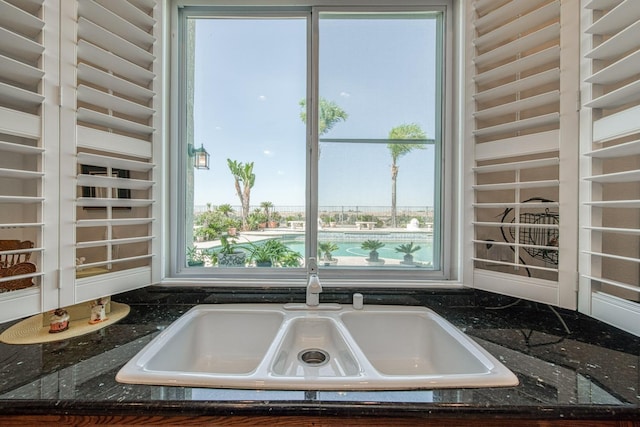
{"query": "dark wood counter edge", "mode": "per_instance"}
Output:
(330, 409)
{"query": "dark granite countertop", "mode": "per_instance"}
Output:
(569, 366)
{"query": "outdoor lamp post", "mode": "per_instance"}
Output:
(200, 157)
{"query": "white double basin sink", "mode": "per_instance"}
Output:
(329, 347)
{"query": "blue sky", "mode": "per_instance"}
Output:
(250, 76)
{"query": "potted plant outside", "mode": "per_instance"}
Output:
(325, 250)
(273, 253)
(372, 246)
(256, 220)
(269, 214)
(275, 220)
(407, 249)
(230, 255)
(233, 225)
(195, 257)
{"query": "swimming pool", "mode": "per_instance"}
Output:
(352, 248)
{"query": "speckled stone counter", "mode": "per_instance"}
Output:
(569, 366)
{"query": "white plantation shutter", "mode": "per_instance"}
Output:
(28, 147)
(610, 220)
(521, 149)
(115, 80)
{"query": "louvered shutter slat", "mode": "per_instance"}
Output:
(516, 122)
(610, 265)
(116, 116)
(23, 144)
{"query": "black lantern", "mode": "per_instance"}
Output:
(200, 157)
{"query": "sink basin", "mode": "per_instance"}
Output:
(225, 341)
(314, 347)
(330, 347)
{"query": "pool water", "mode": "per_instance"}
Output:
(425, 254)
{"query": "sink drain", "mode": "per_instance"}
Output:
(313, 357)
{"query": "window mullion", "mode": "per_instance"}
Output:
(312, 135)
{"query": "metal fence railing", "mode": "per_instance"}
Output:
(343, 215)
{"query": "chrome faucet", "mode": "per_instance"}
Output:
(314, 288)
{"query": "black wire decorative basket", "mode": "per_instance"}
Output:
(542, 232)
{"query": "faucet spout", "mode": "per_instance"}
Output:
(314, 288)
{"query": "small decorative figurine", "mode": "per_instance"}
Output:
(59, 321)
(98, 310)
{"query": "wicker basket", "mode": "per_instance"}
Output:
(15, 264)
(17, 270)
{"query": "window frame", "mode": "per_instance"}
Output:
(446, 196)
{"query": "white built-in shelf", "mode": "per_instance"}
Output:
(20, 20)
(98, 77)
(519, 105)
(106, 100)
(519, 85)
(519, 185)
(631, 148)
(19, 47)
(88, 52)
(99, 36)
(113, 162)
(625, 41)
(114, 23)
(113, 122)
(623, 15)
(627, 176)
(512, 166)
(543, 57)
(518, 125)
(530, 41)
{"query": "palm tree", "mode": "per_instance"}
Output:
(225, 209)
(267, 206)
(397, 150)
(325, 250)
(329, 114)
(243, 173)
(372, 246)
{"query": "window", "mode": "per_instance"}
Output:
(325, 131)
